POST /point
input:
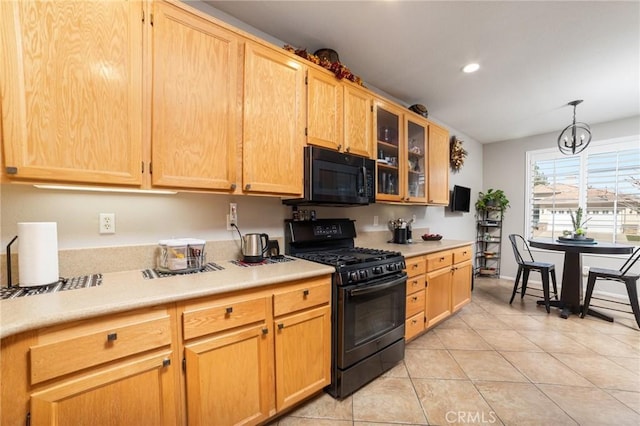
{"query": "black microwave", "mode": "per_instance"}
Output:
(336, 178)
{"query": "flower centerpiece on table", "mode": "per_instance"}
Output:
(578, 224)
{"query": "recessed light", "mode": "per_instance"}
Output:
(469, 68)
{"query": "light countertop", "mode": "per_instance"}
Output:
(124, 291)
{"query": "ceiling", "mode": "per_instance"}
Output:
(534, 56)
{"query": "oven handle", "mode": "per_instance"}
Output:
(379, 287)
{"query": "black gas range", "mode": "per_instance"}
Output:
(368, 300)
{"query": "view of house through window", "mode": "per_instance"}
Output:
(603, 180)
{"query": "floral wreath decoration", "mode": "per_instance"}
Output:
(457, 154)
(337, 68)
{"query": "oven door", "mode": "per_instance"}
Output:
(370, 317)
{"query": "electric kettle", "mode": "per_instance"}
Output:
(254, 247)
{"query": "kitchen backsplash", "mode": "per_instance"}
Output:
(86, 261)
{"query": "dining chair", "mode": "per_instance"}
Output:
(623, 275)
(526, 264)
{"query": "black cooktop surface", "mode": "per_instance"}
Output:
(348, 256)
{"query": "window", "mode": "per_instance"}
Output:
(604, 180)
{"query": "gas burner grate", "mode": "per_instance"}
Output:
(267, 261)
(150, 274)
(64, 284)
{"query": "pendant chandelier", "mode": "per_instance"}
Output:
(576, 136)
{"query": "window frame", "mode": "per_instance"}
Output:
(596, 147)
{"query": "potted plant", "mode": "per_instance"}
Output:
(578, 224)
(493, 199)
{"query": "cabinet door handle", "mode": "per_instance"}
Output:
(339, 147)
(280, 326)
(229, 310)
(112, 337)
(305, 292)
(348, 149)
(247, 186)
(265, 330)
(166, 362)
(233, 186)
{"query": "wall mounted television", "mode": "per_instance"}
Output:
(460, 199)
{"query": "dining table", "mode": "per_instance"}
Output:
(571, 292)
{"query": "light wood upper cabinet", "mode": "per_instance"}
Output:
(438, 157)
(196, 101)
(71, 84)
(273, 122)
(358, 121)
(324, 110)
(338, 114)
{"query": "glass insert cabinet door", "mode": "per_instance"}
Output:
(401, 155)
(389, 136)
(415, 164)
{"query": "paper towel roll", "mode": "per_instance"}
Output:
(37, 253)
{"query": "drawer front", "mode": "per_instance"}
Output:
(222, 315)
(414, 325)
(86, 346)
(415, 303)
(415, 284)
(302, 296)
(415, 266)
(462, 254)
(439, 260)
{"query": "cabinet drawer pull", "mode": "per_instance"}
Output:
(166, 362)
(280, 326)
(414, 298)
(442, 259)
(414, 321)
(112, 337)
(265, 330)
(415, 265)
(305, 292)
(229, 310)
(414, 283)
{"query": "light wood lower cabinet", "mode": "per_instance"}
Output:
(226, 376)
(302, 355)
(115, 370)
(138, 391)
(438, 296)
(249, 356)
(438, 285)
(229, 359)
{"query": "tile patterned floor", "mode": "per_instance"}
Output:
(500, 364)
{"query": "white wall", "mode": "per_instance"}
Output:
(505, 168)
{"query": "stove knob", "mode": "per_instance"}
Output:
(391, 267)
(353, 276)
(363, 274)
(377, 270)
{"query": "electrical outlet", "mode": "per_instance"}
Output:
(107, 223)
(233, 214)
